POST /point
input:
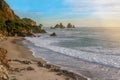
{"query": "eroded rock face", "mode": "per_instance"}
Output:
(3, 59)
(3, 73)
(2, 35)
(3, 65)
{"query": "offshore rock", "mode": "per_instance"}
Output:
(70, 25)
(53, 34)
(59, 26)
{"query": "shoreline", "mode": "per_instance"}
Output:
(21, 55)
(43, 61)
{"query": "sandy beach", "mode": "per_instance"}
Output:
(24, 66)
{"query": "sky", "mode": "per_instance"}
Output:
(82, 13)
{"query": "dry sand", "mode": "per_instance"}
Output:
(25, 66)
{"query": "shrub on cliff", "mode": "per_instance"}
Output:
(22, 27)
(29, 21)
(5, 12)
(12, 25)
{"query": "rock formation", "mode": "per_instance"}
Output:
(59, 26)
(3, 59)
(62, 26)
(3, 65)
(2, 35)
(53, 34)
(3, 73)
(70, 25)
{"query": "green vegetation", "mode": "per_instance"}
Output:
(12, 25)
(22, 27)
(6, 13)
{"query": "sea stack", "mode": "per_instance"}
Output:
(59, 26)
(70, 25)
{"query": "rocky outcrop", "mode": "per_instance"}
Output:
(3, 73)
(60, 71)
(59, 26)
(3, 59)
(53, 34)
(2, 35)
(70, 25)
(3, 65)
(6, 13)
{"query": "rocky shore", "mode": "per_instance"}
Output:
(49, 67)
(24, 66)
(4, 67)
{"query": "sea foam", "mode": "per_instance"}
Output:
(47, 42)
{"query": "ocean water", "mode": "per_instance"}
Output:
(93, 52)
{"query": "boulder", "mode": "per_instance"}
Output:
(40, 64)
(3, 59)
(53, 34)
(3, 73)
(30, 68)
(26, 62)
(16, 70)
(3, 65)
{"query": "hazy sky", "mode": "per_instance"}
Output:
(79, 12)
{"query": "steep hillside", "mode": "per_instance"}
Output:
(6, 13)
(12, 25)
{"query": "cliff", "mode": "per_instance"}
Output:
(6, 13)
(12, 25)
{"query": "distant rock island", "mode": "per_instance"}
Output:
(69, 25)
(59, 26)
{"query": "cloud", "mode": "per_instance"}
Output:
(96, 8)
